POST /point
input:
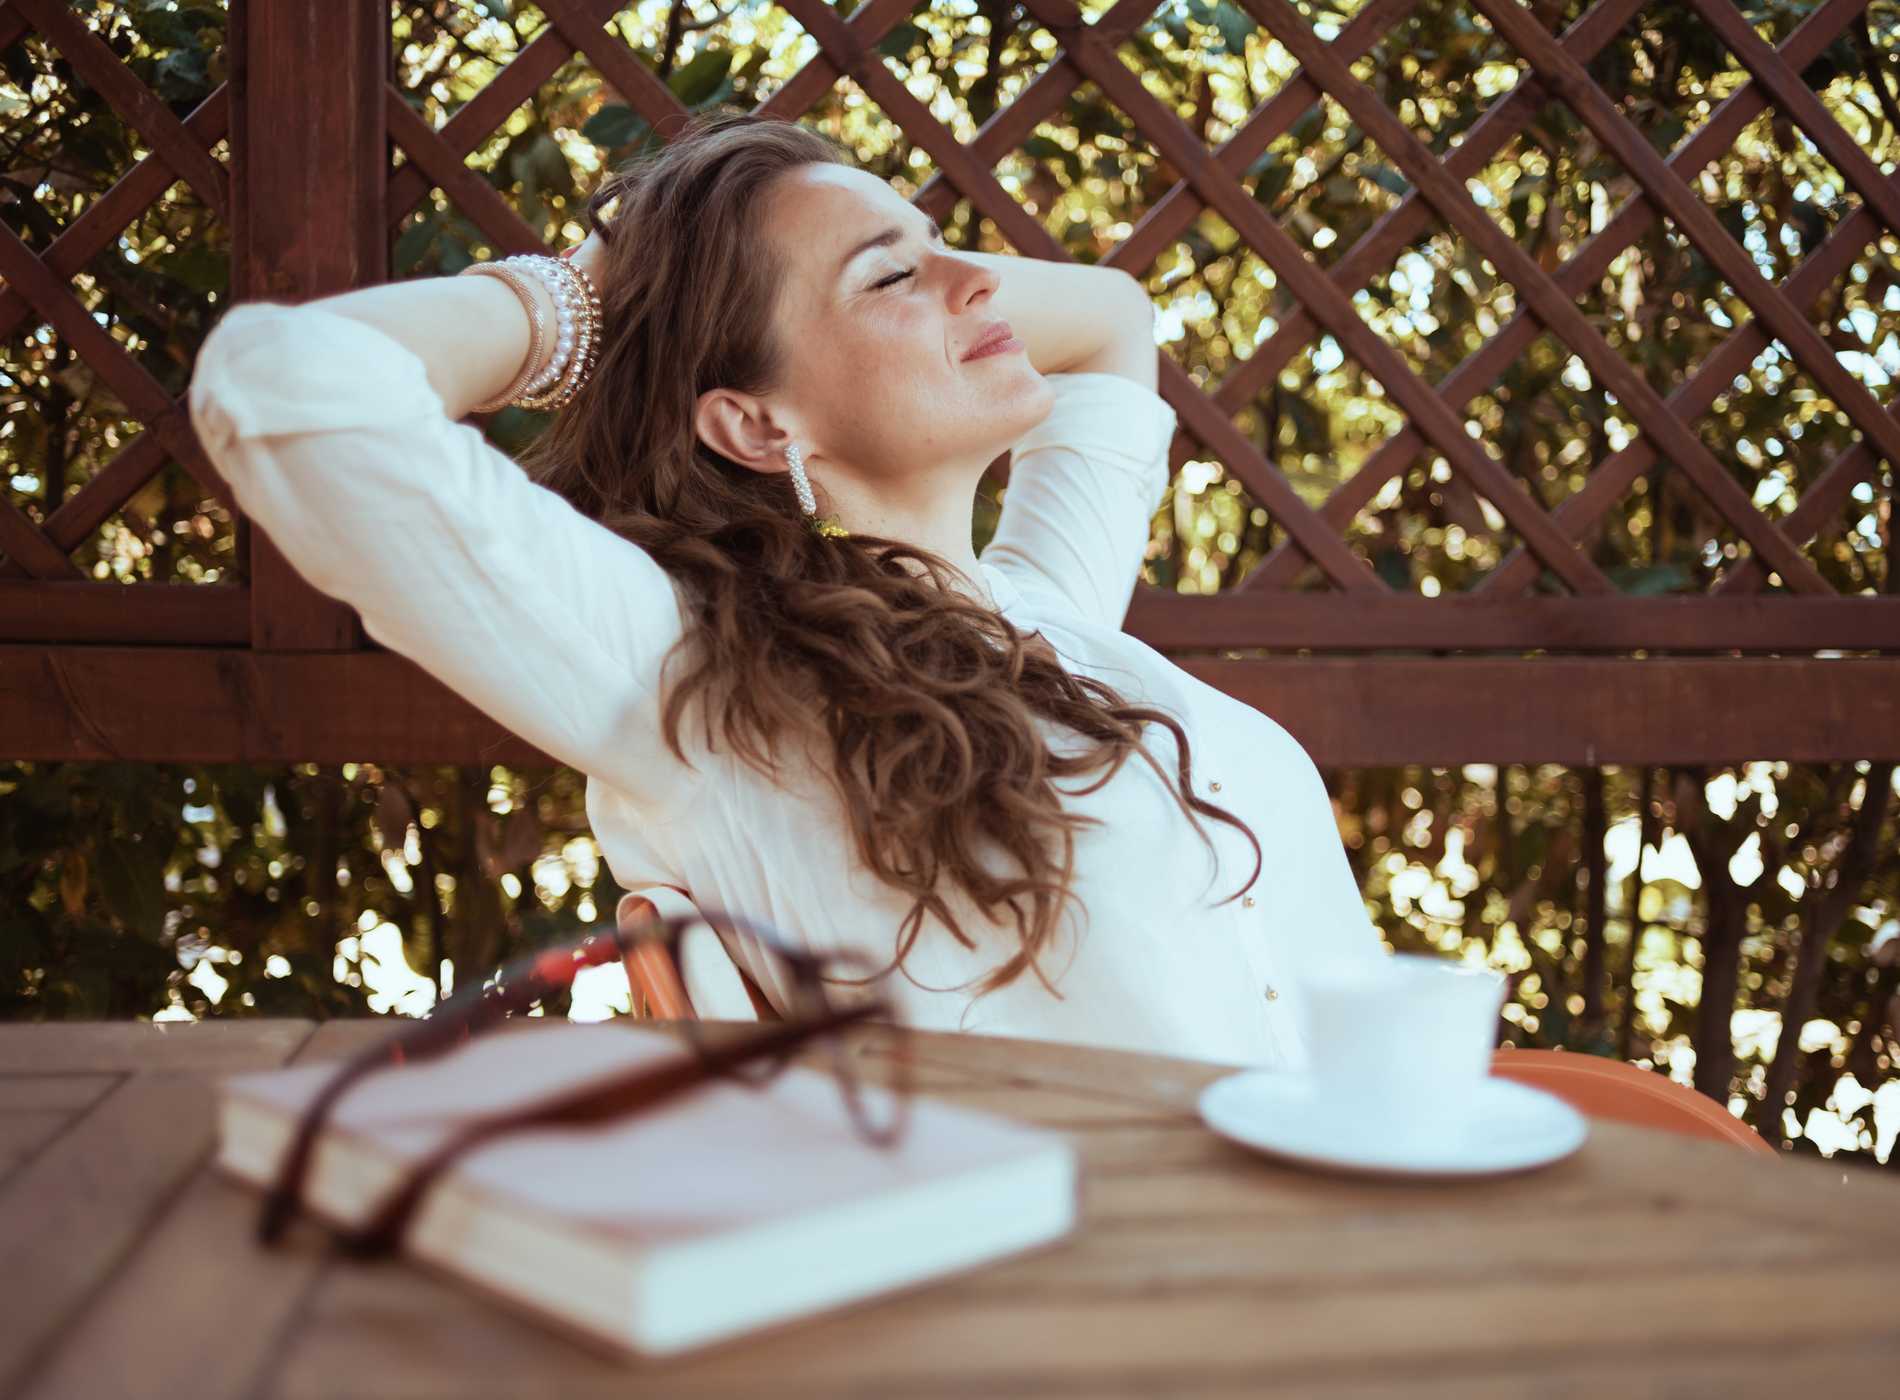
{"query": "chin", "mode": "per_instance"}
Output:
(1036, 399)
(1013, 402)
(1016, 406)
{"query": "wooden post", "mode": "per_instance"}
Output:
(310, 159)
(1594, 868)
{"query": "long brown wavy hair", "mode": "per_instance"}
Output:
(920, 704)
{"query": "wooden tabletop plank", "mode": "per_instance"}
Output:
(194, 1311)
(1152, 1080)
(142, 1047)
(420, 1336)
(203, 1249)
(1604, 1368)
(66, 1093)
(1618, 1165)
(1055, 1106)
(35, 1109)
(1590, 1369)
(1645, 1264)
(1297, 1325)
(1429, 1251)
(72, 1213)
(26, 1133)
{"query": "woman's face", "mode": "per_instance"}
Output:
(877, 318)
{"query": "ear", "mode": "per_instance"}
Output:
(737, 427)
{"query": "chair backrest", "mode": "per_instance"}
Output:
(1626, 1093)
(658, 986)
(653, 979)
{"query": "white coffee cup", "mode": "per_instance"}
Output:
(1399, 1044)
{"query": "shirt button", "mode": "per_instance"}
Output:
(1247, 900)
(1213, 786)
(1272, 994)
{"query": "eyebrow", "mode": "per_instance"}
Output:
(884, 239)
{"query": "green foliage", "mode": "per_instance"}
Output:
(131, 891)
(118, 880)
(157, 287)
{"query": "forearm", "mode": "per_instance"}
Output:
(1072, 316)
(470, 332)
(327, 425)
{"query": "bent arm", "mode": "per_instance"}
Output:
(1075, 319)
(331, 423)
(1084, 485)
(470, 333)
(1085, 482)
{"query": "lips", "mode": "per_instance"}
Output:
(995, 335)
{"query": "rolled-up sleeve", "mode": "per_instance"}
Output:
(333, 440)
(1084, 485)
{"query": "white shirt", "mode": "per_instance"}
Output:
(333, 440)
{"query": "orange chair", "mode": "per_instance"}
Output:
(1594, 1086)
(1626, 1093)
(654, 983)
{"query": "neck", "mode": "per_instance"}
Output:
(937, 521)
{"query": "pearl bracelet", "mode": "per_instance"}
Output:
(580, 323)
(584, 302)
(563, 293)
(552, 374)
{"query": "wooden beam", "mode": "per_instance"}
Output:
(310, 158)
(146, 614)
(1583, 711)
(1337, 622)
(214, 705)
(218, 615)
(178, 705)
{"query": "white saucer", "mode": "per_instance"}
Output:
(1510, 1127)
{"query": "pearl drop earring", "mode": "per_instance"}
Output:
(808, 503)
(800, 482)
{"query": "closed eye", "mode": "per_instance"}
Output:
(933, 234)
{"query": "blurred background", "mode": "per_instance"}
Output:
(1734, 925)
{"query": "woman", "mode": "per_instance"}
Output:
(742, 597)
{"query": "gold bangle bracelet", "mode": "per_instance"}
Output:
(586, 350)
(537, 324)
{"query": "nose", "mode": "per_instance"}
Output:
(968, 281)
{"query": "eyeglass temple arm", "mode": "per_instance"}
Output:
(285, 1197)
(651, 971)
(595, 1103)
(465, 1014)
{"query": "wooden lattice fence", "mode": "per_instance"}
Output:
(1547, 656)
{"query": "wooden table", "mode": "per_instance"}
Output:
(1645, 1265)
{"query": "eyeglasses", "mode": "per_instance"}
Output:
(864, 1028)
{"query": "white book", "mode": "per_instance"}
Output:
(718, 1211)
